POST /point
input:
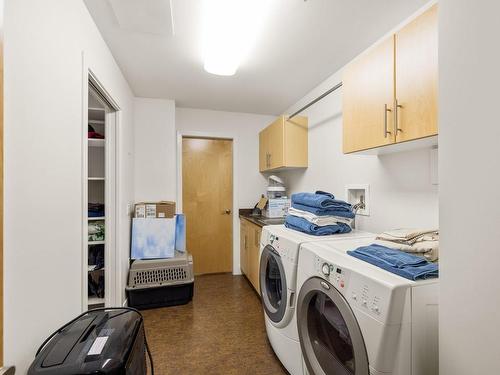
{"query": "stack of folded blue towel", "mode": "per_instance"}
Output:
(319, 214)
(403, 264)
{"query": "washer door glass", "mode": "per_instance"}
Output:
(330, 337)
(273, 284)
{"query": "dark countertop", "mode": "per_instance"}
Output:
(246, 213)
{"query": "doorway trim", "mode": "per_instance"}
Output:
(214, 135)
(113, 279)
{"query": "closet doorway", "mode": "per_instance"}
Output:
(100, 264)
(207, 202)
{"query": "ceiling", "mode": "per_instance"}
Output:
(301, 43)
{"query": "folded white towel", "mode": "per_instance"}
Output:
(409, 236)
(427, 249)
(320, 221)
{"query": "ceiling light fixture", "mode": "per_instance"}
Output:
(230, 28)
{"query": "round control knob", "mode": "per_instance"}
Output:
(325, 268)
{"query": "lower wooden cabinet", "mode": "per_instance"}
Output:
(250, 252)
(244, 246)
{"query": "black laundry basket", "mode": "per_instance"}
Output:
(101, 341)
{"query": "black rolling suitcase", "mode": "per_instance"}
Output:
(101, 341)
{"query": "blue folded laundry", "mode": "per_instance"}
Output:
(322, 204)
(406, 265)
(302, 225)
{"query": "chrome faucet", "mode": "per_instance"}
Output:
(358, 206)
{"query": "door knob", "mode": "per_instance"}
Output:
(227, 212)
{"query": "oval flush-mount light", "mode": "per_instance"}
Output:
(229, 31)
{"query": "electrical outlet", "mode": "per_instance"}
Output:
(359, 193)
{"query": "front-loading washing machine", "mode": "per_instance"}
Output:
(354, 318)
(279, 254)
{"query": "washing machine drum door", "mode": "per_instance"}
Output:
(330, 337)
(273, 288)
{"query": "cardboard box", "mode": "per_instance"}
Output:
(150, 210)
(277, 207)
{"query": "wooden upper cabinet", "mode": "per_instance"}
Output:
(390, 92)
(275, 144)
(368, 97)
(283, 144)
(417, 77)
(263, 150)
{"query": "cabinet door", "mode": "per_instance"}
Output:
(417, 77)
(275, 143)
(244, 247)
(296, 142)
(254, 256)
(368, 89)
(263, 150)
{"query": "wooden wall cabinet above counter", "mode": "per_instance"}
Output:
(283, 144)
(390, 92)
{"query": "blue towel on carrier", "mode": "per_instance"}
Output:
(406, 265)
(302, 225)
(322, 204)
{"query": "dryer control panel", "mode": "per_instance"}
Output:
(336, 275)
(360, 292)
(286, 248)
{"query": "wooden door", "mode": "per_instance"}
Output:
(207, 200)
(368, 88)
(275, 143)
(417, 77)
(244, 247)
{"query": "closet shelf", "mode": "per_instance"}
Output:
(96, 301)
(96, 218)
(96, 122)
(96, 242)
(97, 178)
(97, 109)
(96, 142)
(96, 114)
(93, 269)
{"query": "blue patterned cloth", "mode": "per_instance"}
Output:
(302, 225)
(403, 264)
(322, 204)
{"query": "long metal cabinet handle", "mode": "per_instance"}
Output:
(396, 122)
(385, 120)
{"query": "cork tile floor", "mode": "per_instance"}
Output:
(221, 331)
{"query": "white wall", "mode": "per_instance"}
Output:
(401, 191)
(155, 145)
(44, 41)
(244, 129)
(469, 58)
